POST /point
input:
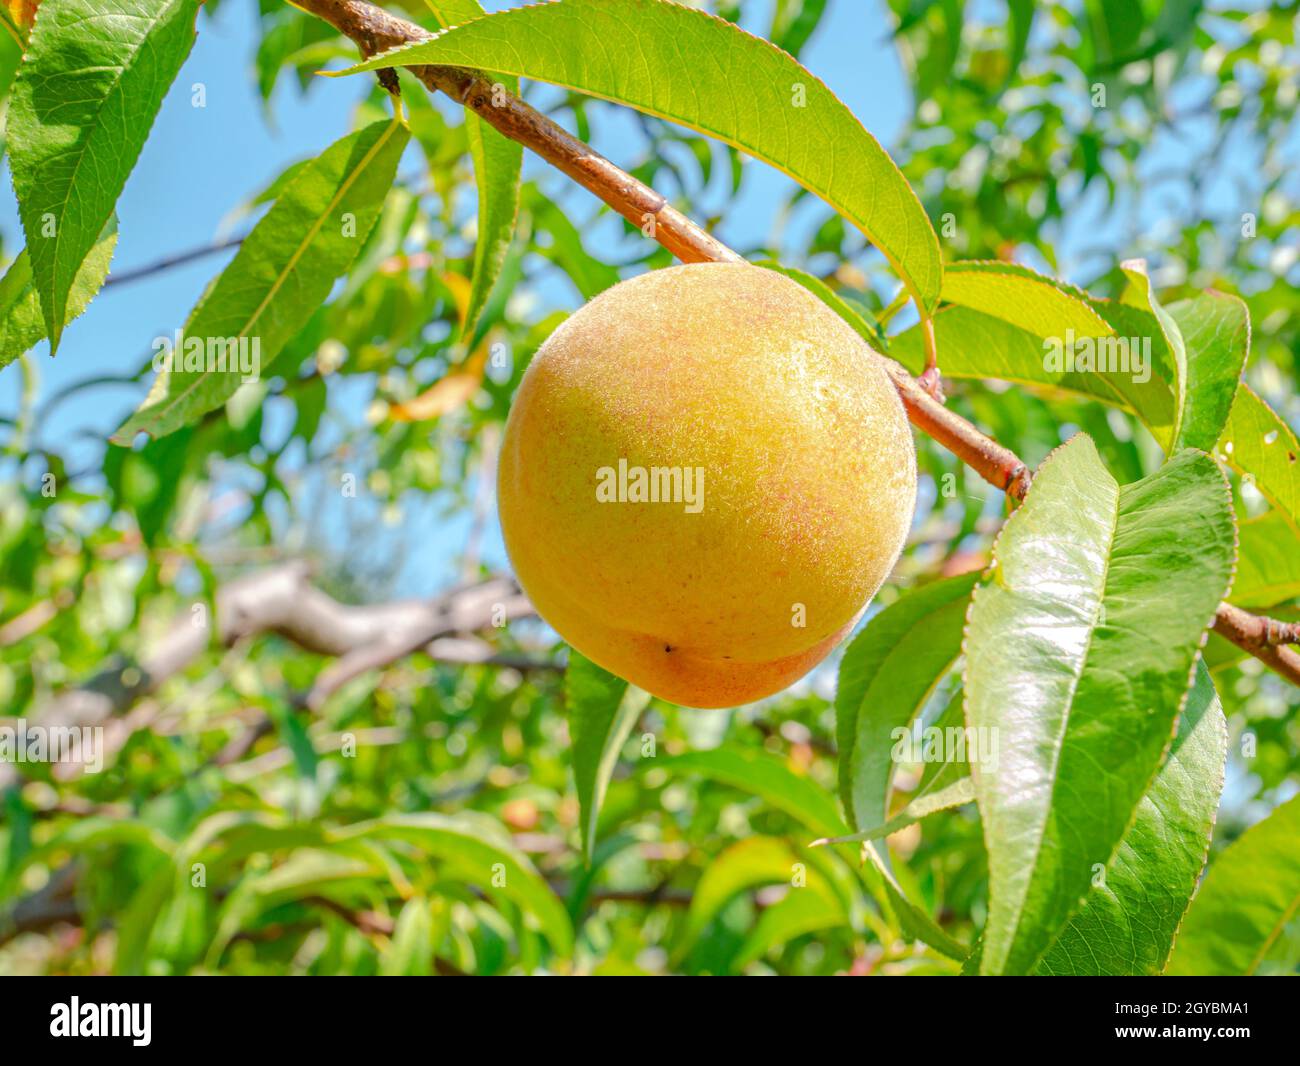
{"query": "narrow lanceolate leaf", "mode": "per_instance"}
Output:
(1247, 901)
(886, 675)
(1139, 376)
(930, 802)
(1141, 294)
(684, 65)
(1024, 298)
(471, 853)
(281, 275)
(914, 922)
(498, 162)
(602, 711)
(766, 776)
(86, 95)
(1216, 337)
(1127, 922)
(1079, 653)
(21, 322)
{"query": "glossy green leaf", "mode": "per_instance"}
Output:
(1079, 652)
(602, 711)
(81, 107)
(282, 273)
(1127, 922)
(913, 921)
(887, 673)
(1023, 298)
(21, 323)
(1268, 562)
(643, 53)
(766, 776)
(1141, 294)
(1215, 330)
(493, 866)
(1246, 902)
(498, 162)
(1258, 442)
(976, 345)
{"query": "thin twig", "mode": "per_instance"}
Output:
(166, 263)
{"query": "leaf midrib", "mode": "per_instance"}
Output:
(136, 52)
(1065, 725)
(1273, 934)
(303, 245)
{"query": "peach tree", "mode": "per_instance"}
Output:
(1020, 762)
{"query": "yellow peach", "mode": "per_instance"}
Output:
(706, 475)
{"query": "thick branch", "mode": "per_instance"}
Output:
(374, 30)
(282, 600)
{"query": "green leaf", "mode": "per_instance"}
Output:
(21, 324)
(809, 909)
(929, 802)
(307, 872)
(746, 864)
(1127, 923)
(85, 97)
(1141, 294)
(1022, 297)
(1268, 562)
(492, 865)
(498, 162)
(765, 776)
(651, 56)
(1258, 442)
(1079, 653)
(976, 345)
(886, 675)
(282, 273)
(602, 711)
(913, 921)
(410, 951)
(1247, 901)
(1216, 337)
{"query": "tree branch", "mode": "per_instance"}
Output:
(1261, 637)
(375, 30)
(282, 600)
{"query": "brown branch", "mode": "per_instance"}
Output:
(374, 30)
(1261, 637)
(283, 601)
